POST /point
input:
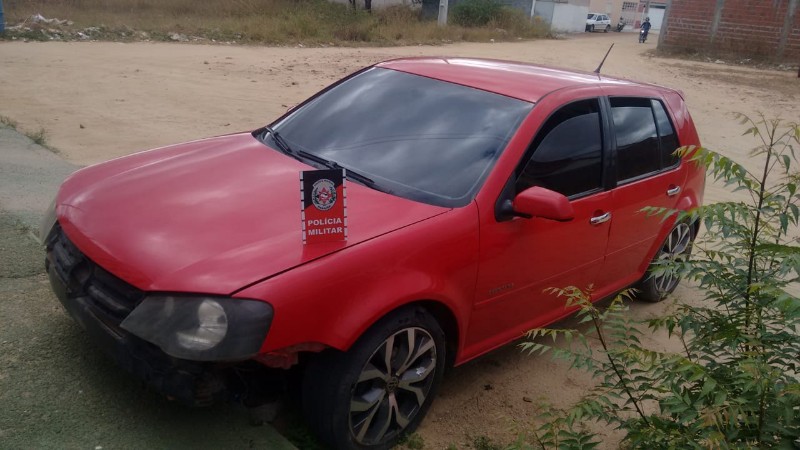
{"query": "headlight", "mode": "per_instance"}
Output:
(48, 221)
(212, 325)
(201, 328)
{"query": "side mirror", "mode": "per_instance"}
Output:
(540, 202)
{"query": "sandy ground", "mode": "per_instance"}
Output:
(102, 100)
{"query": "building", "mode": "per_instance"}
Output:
(762, 29)
(563, 15)
(632, 12)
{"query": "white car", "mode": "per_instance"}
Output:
(597, 21)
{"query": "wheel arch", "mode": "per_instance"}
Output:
(330, 375)
(440, 312)
(447, 321)
(688, 201)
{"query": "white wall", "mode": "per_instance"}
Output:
(569, 18)
(656, 18)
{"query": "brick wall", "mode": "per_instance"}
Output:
(753, 28)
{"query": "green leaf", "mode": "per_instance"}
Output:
(708, 386)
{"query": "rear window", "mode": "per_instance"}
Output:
(415, 137)
(645, 137)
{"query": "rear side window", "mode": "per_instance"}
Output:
(645, 137)
(637, 138)
(567, 152)
(668, 139)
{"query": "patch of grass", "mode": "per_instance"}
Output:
(280, 22)
(484, 443)
(8, 122)
(472, 13)
(295, 430)
(24, 228)
(39, 136)
(22, 256)
(412, 441)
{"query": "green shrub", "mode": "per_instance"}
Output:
(396, 14)
(476, 13)
(513, 22)
(736, 384)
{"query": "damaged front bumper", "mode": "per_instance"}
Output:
(100, 303)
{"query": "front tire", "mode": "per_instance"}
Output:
(379, 390)
(676, 247)
(591, 28)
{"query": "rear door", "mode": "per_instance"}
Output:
(647, 174)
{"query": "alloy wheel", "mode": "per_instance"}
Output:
(675, 248)
(393, 386)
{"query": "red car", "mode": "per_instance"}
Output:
(472, 185)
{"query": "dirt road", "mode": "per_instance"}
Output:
(102, 100)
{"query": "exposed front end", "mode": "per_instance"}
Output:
(193, 350)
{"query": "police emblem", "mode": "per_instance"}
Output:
(323, 194)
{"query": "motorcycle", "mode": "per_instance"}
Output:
(642, 36)
(620, 26)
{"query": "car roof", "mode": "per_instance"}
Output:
(523, 81)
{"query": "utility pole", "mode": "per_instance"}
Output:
(442, 12)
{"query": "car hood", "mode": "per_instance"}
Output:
(209, 216)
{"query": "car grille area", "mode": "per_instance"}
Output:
(100, 301)
(109, 298)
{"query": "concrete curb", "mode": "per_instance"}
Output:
(29, 176)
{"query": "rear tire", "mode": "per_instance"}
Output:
(380, 389)
(608, 28)
(676, 247)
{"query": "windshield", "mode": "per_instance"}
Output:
(412, 136)
(589, 16)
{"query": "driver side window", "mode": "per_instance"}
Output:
(567, 153)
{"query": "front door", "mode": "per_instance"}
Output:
(521, 257)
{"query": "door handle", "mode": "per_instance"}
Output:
(673, 191)
(597, 220)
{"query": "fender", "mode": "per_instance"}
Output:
(433, 260)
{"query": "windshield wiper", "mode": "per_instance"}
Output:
(302, 154)
(350, 173)
(282, 144)
(363, 179)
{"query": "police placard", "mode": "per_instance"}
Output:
(323, 203)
